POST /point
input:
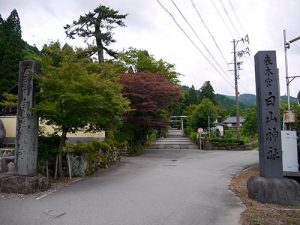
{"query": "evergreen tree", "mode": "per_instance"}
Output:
(192, 96)
(97, 24)
(12, 50)
(207, 91)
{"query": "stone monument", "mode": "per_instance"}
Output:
(27, 121)
(24, 179)
(267, 102)
(270, 186)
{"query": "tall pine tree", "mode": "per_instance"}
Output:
(98, 25)
(207, 91)
(12, 50)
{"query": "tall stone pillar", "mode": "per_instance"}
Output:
(267, 101)
(27, 121)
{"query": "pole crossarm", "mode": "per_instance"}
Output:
(293, 77)
(295, 39)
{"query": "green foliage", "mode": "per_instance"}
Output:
(199, 116)
(294, 126)
(12, 50)
(98, 154)
(224, 141)
(228, 104)
(97, 25)
(48, 147)
(142, 61)
(190, 96)
(8, 100)
(207, 91)
(74, 96)
(250, 125)
(193, 135)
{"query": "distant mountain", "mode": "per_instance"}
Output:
(246, 99)
(250, 99)
(227, 102)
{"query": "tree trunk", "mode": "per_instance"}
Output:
(100, 50)
(99, 41)
(62, 141)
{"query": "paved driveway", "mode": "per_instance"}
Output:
(160, 187)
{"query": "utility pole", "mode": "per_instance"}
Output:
(238, 135)
(289, 79)
(236, 77)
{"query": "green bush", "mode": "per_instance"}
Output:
(193, 136)
(152, 136)
(48, 146)
(226, 141)
(99, 154)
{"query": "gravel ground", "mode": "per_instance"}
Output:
(261, 214)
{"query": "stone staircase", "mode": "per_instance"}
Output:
(174, 140)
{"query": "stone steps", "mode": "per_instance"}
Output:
(174, 140)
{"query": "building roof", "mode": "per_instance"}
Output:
(232, 119)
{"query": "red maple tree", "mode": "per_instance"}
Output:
(150, 94)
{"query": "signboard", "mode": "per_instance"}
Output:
(289, 117)
(200, 130)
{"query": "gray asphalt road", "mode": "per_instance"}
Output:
(187, 187)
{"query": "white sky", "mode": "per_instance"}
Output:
(149, 27)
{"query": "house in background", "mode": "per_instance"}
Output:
(231, 121)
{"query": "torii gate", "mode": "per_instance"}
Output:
(179, 119)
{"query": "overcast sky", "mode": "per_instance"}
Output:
(150, 27)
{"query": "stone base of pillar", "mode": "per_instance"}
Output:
(282, 191)
(10, 183)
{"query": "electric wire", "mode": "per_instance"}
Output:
(188, 23)
(211, 35)
(170, 14)
(205, 57)
(239, 23)
(221, 17)
(208, 30)
(236, 16)
(202, 20)
(229, 18)
(235, 29)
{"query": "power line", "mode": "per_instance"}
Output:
(229, 18)
(204, 23)
(211, 35)
(202, 20)
(229, 82)
(235, 29)
(214, 59)
(170, 14)
(236, 16)
(239, 23)
(221, 17)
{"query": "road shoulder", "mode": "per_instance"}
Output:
(257, 213)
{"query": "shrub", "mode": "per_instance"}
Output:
(193, 136)
(47, 146)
